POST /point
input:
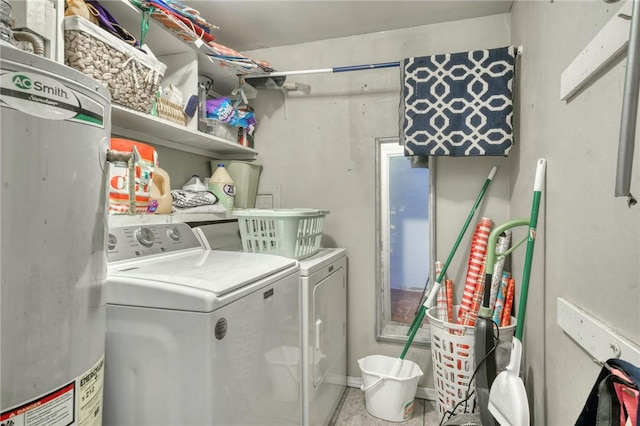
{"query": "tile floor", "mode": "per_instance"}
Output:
(352, 412)
(404, 305)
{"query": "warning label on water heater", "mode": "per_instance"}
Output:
(53, 409)
(82, 397)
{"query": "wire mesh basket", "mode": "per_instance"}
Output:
(293, 233)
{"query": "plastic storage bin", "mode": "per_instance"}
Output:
(119, 191)
(222, 130)
(452, 352)
(293, 233)
(246, 176)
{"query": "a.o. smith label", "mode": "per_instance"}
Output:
(44, 97)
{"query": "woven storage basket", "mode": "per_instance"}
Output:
(131, 76)
(170, 111)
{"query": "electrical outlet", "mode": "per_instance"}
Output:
(264, 201)
(269, 196)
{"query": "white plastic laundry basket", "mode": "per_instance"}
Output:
(389, 397)
(294, 233)
(452, 352)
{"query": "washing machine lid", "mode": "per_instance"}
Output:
(193, 281)
(323, 258)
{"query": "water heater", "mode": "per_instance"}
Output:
(54, 134)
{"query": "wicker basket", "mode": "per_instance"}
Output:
(131, 77)
(170, 111)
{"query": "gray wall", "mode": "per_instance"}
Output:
(321, 148)
(182, 165)
(591, 239)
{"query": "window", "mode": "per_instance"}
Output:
(404, 238)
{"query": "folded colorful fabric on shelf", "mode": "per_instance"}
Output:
(180, 19)
(187, 24)
(224, 51)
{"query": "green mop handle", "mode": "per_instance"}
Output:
(538, 185)
(436, 286)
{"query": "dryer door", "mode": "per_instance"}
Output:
(329, 327)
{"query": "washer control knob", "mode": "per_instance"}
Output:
(174, 234)
(111, 242)
(145, 236)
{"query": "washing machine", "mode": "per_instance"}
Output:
(194, 336)
(323, 315)
(323, 279)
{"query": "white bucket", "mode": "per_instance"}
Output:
(389, 397)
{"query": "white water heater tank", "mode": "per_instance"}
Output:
(54, 134)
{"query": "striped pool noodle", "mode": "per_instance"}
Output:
(477, 300)
(502, 293)
(476, 259)
(449, 289)
(508, 303)
(441, 298)
(501, 246)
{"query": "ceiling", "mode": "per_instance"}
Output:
(250, 24)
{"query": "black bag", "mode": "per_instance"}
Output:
(614, 399)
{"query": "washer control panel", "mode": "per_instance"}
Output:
(131, 242)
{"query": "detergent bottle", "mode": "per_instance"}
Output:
(161, 191)
(221, 184)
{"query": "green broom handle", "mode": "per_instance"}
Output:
(528, 260)
(434, 290)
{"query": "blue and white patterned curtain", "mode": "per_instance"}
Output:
(458, 104)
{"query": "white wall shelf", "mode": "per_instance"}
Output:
(185, 62)
(146, 128)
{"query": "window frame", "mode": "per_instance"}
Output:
(386, 332)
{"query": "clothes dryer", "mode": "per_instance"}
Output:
(323, 279)
(191, 332)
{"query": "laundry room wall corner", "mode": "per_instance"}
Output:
(321, 149)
